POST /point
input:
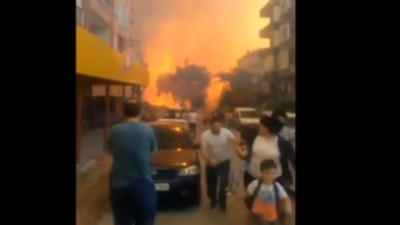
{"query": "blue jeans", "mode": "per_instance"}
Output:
(135, 203)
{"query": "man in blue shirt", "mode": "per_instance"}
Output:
(132, 193)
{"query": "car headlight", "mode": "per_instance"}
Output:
(190, 171)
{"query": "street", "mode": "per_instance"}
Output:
(236, 214)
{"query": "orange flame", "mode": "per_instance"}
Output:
(165, 99)
(214, 34)
(214, 92)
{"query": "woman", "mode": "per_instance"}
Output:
(267, 144)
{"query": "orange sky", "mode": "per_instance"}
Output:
(210, 33)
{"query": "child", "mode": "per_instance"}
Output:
(265, 204)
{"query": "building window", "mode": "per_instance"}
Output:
(276, 13)
(285, 32)
(286, 5)
(121, 46)
(120, 15)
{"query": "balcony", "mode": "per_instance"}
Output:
(268, 31)
(290, 42)
(103, 9)
(288, 13)
(267, 10)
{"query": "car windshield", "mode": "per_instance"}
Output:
(173, 114)
(172, 137)
(249, 114)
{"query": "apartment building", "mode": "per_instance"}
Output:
(255, 64)
(111, 23)
(281, 31)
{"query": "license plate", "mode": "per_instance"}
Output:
(162, 186)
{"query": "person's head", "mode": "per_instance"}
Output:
(269, 126)
(268, 171)
(132, 108)
(279, 114)
(216, 125)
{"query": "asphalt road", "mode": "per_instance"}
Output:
(236, 213)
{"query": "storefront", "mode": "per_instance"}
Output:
(97, 64)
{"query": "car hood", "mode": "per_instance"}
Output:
(250, 120)
(175, 158)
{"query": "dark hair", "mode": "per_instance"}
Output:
(273, 124)
(132, 108)
(268, 164)
(215, 119)
(279, 113)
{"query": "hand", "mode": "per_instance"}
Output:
(242, 150)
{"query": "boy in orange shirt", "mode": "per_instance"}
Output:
(271, 200)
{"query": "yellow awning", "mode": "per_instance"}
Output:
(94, 58)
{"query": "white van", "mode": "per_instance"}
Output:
(246, 116)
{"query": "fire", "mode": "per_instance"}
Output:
(187, 105)
(214, 92)
(165, 99)
(214, 34)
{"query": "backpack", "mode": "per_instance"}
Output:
(249, 200)
(279, 209)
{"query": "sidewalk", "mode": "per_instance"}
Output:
(92, 145)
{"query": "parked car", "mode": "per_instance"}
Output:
(176, 165)
(175, 121)
(266, 112)
(174, 113)
(245, 116)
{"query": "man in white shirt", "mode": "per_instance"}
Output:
(215, 148)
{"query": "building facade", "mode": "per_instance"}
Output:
(106, 71)
(112, 22)
(281, 31)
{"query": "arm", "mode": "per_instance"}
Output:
(251, 188)
(284, 198)
(240, 150)
(234, 142)
(287, 206)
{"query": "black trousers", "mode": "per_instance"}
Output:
(213, 174)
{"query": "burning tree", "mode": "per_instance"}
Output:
(188, 83)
